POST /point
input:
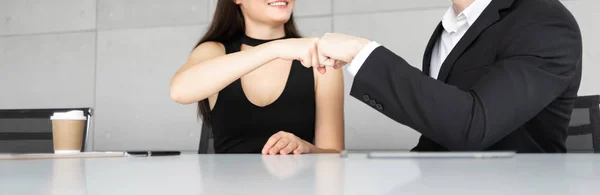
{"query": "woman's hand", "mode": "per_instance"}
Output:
(301, 49)
(286, 143)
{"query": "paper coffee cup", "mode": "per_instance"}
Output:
(67, 131)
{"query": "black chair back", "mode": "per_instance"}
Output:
(584, 128)
(206, 140)
(30, 130)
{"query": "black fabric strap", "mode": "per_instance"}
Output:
(591, 101)
(37, 113)
(580, 130)
(13, 136)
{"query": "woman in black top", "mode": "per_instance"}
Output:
(247, 76)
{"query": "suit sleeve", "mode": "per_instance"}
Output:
(541, 61)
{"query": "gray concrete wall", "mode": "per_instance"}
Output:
(119, 56)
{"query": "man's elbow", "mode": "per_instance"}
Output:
(469, 146)
(469, 143)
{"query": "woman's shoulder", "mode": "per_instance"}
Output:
(209, 48)
(210, 45)
(222, 46)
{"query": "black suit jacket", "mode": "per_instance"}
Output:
(509, 84)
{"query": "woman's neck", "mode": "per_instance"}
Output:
(264, 32)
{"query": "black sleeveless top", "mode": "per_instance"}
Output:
(240, 126)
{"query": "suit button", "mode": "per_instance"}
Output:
(366, 98)
(379, 107)
(372, 102)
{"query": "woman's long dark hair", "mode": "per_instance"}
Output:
(227, 25)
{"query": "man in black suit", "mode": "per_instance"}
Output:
(499, 75)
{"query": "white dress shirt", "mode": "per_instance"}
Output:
(455, 26)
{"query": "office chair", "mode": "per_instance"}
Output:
(30, 130)
(584, 127)
(206, 141)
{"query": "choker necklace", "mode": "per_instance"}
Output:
(246, 40)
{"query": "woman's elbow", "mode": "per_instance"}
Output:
(179, 96)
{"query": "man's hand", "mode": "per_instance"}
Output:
(336, 49)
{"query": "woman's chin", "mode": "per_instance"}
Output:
(280, 21)
(280, 18)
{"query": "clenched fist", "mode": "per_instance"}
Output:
(336, 49)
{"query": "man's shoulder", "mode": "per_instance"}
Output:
(538, 4)
(541, 8)
(528, 13)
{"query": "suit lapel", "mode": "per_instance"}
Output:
(489, 16)
(429, 49)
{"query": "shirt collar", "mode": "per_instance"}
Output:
(450, 21)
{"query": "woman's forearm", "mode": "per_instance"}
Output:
(204, 79)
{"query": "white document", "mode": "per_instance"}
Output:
(441, 154)
(12, 156)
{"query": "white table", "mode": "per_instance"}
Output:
(307, 174)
